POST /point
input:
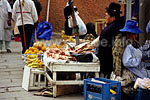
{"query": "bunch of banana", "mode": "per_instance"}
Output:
(31, 56)
(29, 61)
(32, 61)
(35, 64)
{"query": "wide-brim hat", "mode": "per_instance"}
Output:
(132, 27)
(113, 9)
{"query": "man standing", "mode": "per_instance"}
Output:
(114, 24)
(28, 14)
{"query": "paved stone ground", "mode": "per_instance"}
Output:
(11, 73)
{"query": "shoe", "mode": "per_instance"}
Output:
(8, 51)
(0, 51)
(22, 57)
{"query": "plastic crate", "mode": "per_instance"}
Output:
(142, 94)
(101, 91)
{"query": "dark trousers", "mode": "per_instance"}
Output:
(106, 66)
(28, 28)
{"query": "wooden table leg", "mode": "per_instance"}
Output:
(96, 27)
(46, 81)
(97, 74)
(55, 86)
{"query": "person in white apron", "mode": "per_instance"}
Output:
(28, 15)
(5, 26)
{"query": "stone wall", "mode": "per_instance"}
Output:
(89, 11)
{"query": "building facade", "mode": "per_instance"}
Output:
(89, 11)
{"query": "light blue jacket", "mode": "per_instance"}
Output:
(132, 60)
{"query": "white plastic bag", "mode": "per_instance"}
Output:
(81, 25)
(131, 56)
(142, 83)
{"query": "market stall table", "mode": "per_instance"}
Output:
(75, 67)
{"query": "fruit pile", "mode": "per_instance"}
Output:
(66, 37)
(38, 48)
(33, 50)
(32, 55)
(55, 46)
(40, 45)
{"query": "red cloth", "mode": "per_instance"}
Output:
(17, 38)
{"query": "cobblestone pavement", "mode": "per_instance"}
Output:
(11, 73)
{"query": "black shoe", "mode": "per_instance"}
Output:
(0, 51)
(8, 51)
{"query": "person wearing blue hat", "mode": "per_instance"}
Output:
(120, 73)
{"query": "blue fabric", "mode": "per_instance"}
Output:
(131, 26)
(32, 39)
(141, 70)
(44, 31)
(148, 27)
(146, 50)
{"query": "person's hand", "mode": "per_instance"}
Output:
(36, 24)
(9, 22)
(89, 46)
(9, 18)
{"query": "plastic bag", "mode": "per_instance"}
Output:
(83, 57)
(82, 27)
(44, 31)
(142, 83)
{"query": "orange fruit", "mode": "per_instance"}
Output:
(43, 48)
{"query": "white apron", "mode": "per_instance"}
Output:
(5, 31)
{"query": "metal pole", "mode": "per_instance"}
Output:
(23, 25)
(75, 27)
(128, 9)
(48, 6)
(144, 17)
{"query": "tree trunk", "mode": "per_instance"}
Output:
(144, 17)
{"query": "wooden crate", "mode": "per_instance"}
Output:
(32, 79)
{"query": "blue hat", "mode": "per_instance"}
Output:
(131, 26)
